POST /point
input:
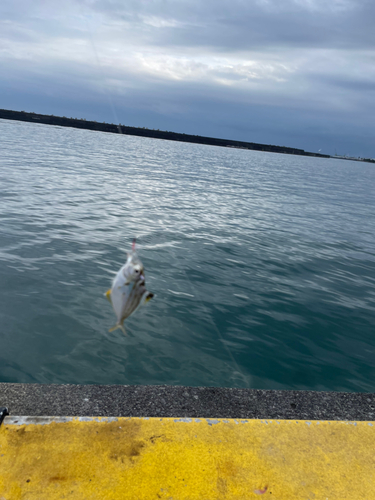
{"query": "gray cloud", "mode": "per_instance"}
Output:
(245, 25)
(297, 72)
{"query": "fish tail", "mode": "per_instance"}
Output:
(118, 325)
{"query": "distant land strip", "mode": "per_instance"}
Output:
(63, 121)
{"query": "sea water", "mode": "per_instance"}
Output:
(262, 265)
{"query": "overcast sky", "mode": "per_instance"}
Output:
(287, 72)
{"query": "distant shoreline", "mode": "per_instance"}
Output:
(155, 134)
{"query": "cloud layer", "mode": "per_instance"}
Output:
(294, 72)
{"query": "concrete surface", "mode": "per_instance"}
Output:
(185, 459)
(172, 401)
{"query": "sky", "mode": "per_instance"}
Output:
(297, 73)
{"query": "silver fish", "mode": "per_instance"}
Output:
(128, 290)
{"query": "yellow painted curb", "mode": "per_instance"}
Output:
(185, 459)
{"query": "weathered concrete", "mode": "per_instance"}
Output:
(71, 441)
(172, 401)
(185, 459)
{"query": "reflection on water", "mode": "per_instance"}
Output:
(263, 265)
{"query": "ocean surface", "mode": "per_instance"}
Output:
(262, 265)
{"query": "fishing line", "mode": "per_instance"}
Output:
(102, 77)
(239, 372)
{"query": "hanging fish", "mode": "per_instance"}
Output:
(128, 290)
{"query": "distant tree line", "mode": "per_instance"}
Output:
(82, 123)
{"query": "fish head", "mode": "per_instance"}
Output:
(133, 270)
(138, 272)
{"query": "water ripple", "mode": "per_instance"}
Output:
(263, 265)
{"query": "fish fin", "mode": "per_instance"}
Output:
(108, 295)
(118, 325)
(145, 298)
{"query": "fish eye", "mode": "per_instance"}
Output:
(137, 270)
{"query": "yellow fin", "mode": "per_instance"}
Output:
(118, 326)
(149, 297)
(108, 295)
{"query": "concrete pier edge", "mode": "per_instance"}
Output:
(100, 441)
(179, 401)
